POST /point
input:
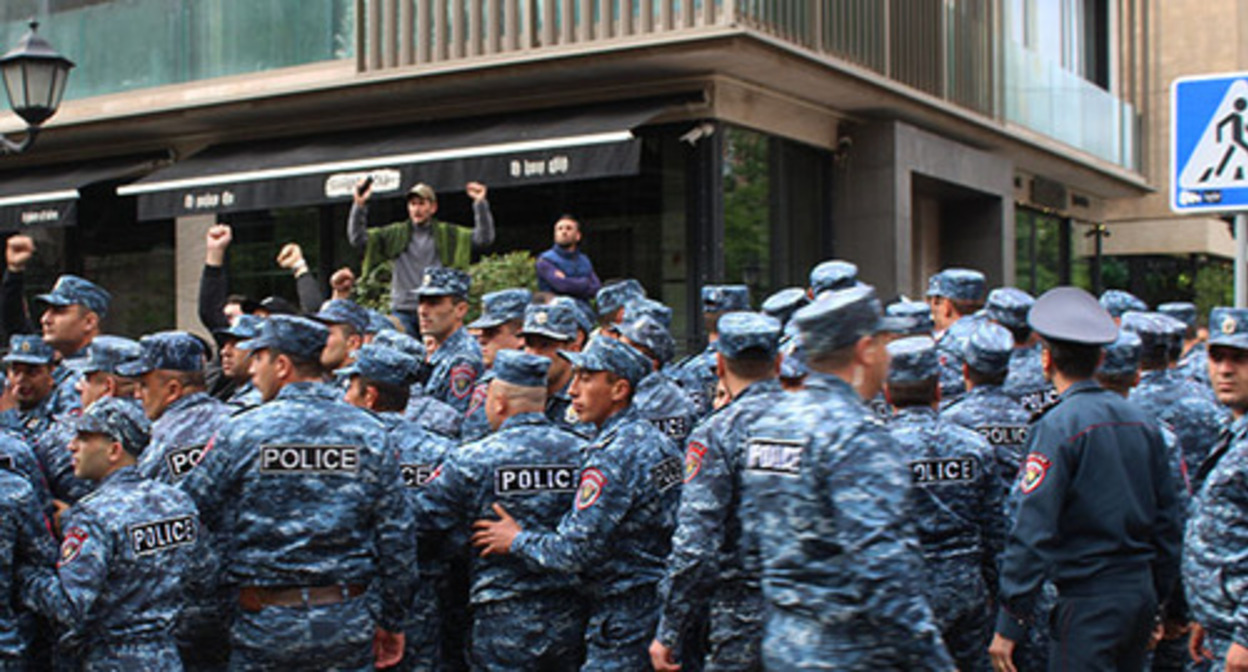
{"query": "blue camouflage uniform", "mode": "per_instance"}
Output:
(825, 512)
(558, 321)
(522, 619)
(658, 398)
(987, 409)
(782, 304)
(1098, 511)
(1215, 569)
(420, 451)
(498, 308)
(244, 327)
(431, 414)
(306, 494)
(611, 298)
(1182, 404)
(25, 540)
(705, 571)
(1118, 302)
(130, 548)
(696, 373)
(1193, 362)
(832, 275)
(957, 503)
(456, 364)
(959, 284)
(617, 534)
(1025, 382)
(72, 290)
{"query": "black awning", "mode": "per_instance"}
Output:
(501, 151)
(48, 196)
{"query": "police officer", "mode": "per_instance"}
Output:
(1214, 565)
(498, 328)
(583, 316)
(30, 376)
(456, 362)
(432, 414)
(1165, 394)
(986, 408)
(1008, 307)
(1118, 302)
(1193, 361)
(705, 572)
(697, 372)
(548, 330)
(825, 489)
(129, 549)
(24, 541)
(380, 380)
(658, 398)
(236, 362)
(612, 298)
(955, 495)
(832, 275)
(618, 533)
(307, 492)
(347, 322)
(955, 295)
(1099, 510)
(521, 618)
(71, 320)
(782, 304)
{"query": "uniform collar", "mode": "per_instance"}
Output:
(1081, 387)
(122, 476)
(307, 390)
(612, 425)
(193, 399)
(915, 413)
(524, 419)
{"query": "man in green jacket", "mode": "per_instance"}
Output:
(409, 247)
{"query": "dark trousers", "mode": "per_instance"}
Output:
(1102, 631)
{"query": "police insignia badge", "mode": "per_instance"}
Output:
(592, 483)
(693, 460)
(479, 393)
(1228, 326)
(570, 416)
(462, 377)
(72, 545)
(1034, 471)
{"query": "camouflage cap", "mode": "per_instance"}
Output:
(917, 316)
(442, 281)
(105, 354)
(586, 320)
(29, 349)
(1071, 314)
(792, 356)
(343, 311)
(742, 331)
(378, 322)
(402, 342)
(244, 327)
(785, 302)
(119, 419)
(832, 275)
(382, 364)
(643, 307)
(72, 290)
(1122, 357)
(607, 354)
(295, 336)
(912, 360)
(616, 295)
(1008, 306)
(839, 318)
(1152, 331)
(502, 307)
(1228, 327)
(724, 298)
(1118, 302)
(556, 321)
(988, 348)
(1183, 311)
(166, 350)
(517, 367)
(648, 333)
(959, 284)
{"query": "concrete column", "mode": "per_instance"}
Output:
(189, 248)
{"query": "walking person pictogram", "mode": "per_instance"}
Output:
(1236, 121)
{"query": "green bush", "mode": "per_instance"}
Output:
(492, 273)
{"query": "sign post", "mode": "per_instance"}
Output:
(1209, 156)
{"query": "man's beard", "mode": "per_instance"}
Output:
(566, 246)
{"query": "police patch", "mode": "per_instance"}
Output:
(162, 535)
(416, 475)
(6, 462)
(1003, 435)
(948, 470)
(479, 393)
(182, 460)
(571, 417)
(75, 537)
(1034, 470)
(592, 483)
(693, 460)
(675, 428)
(1228, 326)
(667, 473)
(304, 459)
(530, 479)
(775, 456)
(462, 378)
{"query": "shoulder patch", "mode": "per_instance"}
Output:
(667, 473)
(416, 475)
(162, 535)
(462, 378)
(592, 483)
(1035, 468)
(534, 478)
(693, 460)
(775, 456)
(75, 537)
(479, 393)
(182, 460)
(307, 459)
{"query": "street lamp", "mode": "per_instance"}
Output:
(34, 77)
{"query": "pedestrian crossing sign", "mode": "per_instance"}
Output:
(1209, 143)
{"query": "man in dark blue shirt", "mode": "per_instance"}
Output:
(563, 269)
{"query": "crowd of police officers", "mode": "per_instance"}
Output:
(982, 480)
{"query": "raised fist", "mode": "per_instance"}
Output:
(217, 239)
(18, 251)
(476, 191)
(342, 282)
(291, 257)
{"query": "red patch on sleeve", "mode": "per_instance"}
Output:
(462, 378)
(479, 393)
(693, 460)
(1035, 468)
(592, 483)
(75, 537)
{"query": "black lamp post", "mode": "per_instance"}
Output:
(34, 77)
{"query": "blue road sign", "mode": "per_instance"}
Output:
(1209, 143)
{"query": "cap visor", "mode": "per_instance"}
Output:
(17, 358)
(547, 334)
(54, 300)
(1239, 341)
(134, 369)
(487, 322)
